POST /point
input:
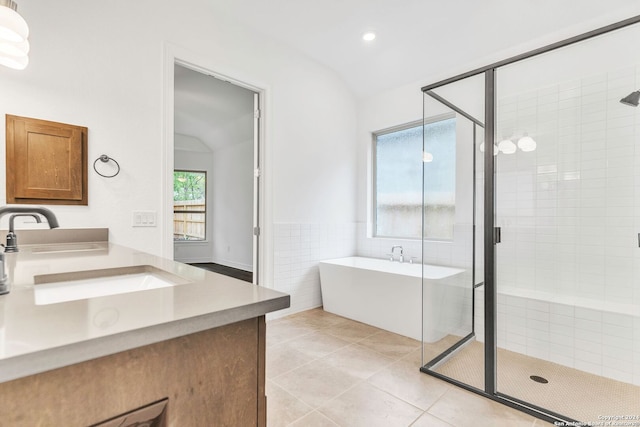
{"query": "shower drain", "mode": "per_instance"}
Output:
(538, 379)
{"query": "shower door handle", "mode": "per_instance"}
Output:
(497, 235)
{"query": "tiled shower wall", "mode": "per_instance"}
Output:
(600, 342)
(570, 210)
(298, 248)
(570, 218)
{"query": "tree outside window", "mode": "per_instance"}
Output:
(189, 205)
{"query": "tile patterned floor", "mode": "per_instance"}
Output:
(571, 392)
(325, 370)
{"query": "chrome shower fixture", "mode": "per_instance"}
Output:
(633, 99)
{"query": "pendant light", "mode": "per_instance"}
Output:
(507, 146)
(14, 33)
(495, 149)
(526, 143)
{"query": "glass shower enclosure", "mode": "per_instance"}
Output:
(540, 307)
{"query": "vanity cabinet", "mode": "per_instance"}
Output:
(46, 162)
(211, 378)
(197, 345)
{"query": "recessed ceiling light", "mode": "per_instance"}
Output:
(368, 36)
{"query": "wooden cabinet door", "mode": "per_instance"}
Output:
(46, 162)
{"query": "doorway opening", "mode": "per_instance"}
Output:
(216, 166)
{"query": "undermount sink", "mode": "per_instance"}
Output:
(80, 285)
(67, 247)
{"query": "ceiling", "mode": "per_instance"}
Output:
(213, 111)
(418, 40)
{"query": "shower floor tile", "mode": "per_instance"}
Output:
(344, 373)
(570, 392)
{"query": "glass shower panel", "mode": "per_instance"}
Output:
(453, 135)
(566, 199)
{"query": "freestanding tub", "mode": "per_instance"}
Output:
(389, 295)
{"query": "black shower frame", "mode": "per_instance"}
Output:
(490, 292)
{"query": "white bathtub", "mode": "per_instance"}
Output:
(389, 295)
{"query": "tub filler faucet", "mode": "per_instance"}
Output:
(401, 258)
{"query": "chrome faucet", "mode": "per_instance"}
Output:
(393, 248)
(11, 238)
(50, 216)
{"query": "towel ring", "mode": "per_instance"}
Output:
(104, 159)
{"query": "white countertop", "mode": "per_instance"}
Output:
(36, 338)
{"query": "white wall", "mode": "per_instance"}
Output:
(317, 149)
(392, 108)
(232, 205)
(100, 65)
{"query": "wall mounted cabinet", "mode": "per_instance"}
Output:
(46, 162)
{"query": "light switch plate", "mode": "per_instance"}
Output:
(144, 218)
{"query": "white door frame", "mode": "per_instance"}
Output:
(176, 55)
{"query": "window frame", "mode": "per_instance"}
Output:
(204, 212)
(374, 178)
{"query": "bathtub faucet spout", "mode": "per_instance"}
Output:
(401, 258)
